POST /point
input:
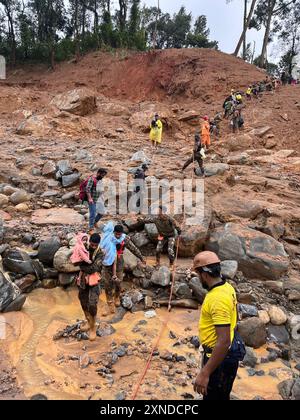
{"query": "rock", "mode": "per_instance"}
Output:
(19, 197)
(70, 180)
(4, 216)
(247, 310)
(285, 388)
(3, 200)
(294, 296)
(64, 167)
(130, 261)
(229, 269)
(182, 291)
(148, 302)
(213, 169)
(151, 231)
(198, 291)
(78, 101)
(253, 332)
(16, 305)
(264, 317)
(28, 238)
(260, 132)
(37, 125)
(141, 239)
(278, 334)
(150, 314)
(141, 120)
(257, 254)
(194, 233)
(18, 262)
(189, 115)
(83, 155)
(226, 206)
(57, 216)
(9, 190)
(250, 358)
(65, 279)
(296, 390)
(25, 283)
(8, 292)
(22, 208)
(140, 157)
(116, 110)
(105, 330)
(69, 195)
(49, 194)
(161, 277)
(47, 249)
(275, 286)
(49, 283)
(195, 342)
(84, 361)
(62, 263)
(126, 302)
(277, 316)
(49, 168)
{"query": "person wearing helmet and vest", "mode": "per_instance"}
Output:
(112, 274)
(205, 132)
(222, 346)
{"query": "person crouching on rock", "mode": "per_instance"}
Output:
(114, 244)
(89, 281)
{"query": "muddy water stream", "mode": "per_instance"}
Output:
(52, 367)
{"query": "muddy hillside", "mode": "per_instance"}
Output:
(57, 128)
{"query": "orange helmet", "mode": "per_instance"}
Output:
(205, 258)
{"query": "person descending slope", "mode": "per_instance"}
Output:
(197, 156)
(205, 132)
(156, 129)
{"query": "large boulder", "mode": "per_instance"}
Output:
(61, 261)
(9, 292)
(229, 269)
(277, 315)
(57, 216)
(253, 332)
(78, 101)
(212, 169)
(130, 261)
(47, 249)
(194, 233)
(151, 231)
(227, 206)
(18, 262)
(278, 334)
(36, 125)
(258, 255)
(141, 239)
(70, 180)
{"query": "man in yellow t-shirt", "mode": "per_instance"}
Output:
(217, 325)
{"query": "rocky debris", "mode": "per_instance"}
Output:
(16, 305)
(213, 169)
(61, 261)
(130, 261)
(189, 116)
(27, 284)
(180, 303)
(105, 329)
(290, 389)
(9, 293)
(250, 359)
(3, 200)
(277, 315)
(70, 180)
(278, 334)
(229, 269)
(18, 262)
(260, 132)
(257, 254)
(49, 168)
(264, 316)
(161, 277)
(253, 332)
(19, 197)
(78, 101)
(227, 207)
(37, 125)
(47, 249)
(150, 314)
(139, 158)
(247, 311)
(56, 216)
(151, 231)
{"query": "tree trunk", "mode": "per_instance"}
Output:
(245, 29)
(243, 36)
(272, 4)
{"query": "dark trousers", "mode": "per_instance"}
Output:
(89, 297)
(191, 160)
(221, 381)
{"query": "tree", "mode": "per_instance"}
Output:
(199, 37)
(10, 8)
(181, 27)
(265, 13)
(290, 36)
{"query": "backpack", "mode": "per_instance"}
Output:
(82, 188)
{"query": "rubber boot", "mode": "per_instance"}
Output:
(93, 330)
(86, 326)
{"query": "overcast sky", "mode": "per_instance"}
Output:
(225, 21)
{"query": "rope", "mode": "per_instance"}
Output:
(165, 323)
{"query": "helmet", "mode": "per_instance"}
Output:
(239, 97)
(205, 258)
(206, 118)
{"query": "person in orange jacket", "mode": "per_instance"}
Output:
(205, 132)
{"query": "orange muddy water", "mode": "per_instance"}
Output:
(51, 367)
